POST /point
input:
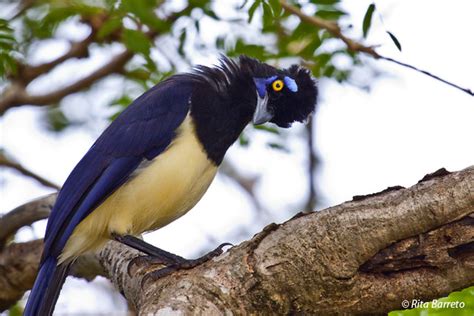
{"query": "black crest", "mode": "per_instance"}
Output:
(224, 100)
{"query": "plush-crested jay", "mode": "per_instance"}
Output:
(157, 159)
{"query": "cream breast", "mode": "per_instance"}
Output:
(165, 189)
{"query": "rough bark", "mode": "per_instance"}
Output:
(361, 257)
(19, 266)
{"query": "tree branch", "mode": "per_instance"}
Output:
(316, 263)
(16, 95)
(334, 29)
(25, 215)
(80, 49)
(5, 162)
(18, 268)
(19, 264)
(361, 257)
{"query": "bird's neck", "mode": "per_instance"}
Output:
(221, 116)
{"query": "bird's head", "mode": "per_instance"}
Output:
(283, 96)
(225, 98)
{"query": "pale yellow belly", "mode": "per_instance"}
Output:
(160, 193)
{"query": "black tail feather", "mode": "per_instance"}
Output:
(45, 291)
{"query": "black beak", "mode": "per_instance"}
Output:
(261, 115)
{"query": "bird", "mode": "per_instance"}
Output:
(156, 160)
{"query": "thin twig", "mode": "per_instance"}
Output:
(331, 27)
(5, 162)
(17, 95)
(466, 90)
(355, 46)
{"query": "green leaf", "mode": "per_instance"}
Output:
(252, 9)
(266, 128)
(6, 38)
(109, 27)
(121, 103)
(5, 46)
(210, 13)
(329, 71)
(8, 64)
(197, 25)
(325, 2)
(56, 119)
(15, 310)
(323, 59)
(268, 17)
(244, 3)
(341, 75)
(136, 41)
(8, 47)
(330, 14)
(252, 50)
(276, 7)
(139, 74)
(395, 40)
(220, 42)
(182, 41)
(243, 140)
(278, 146)
(144, 10)
(368, 19)
(302, 30)
(311, 47)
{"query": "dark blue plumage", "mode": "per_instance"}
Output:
(142, 131)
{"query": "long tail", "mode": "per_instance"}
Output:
(45, 291)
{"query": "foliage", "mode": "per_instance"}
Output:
(465, 296)
(142, 26)
(7, 49)
(297, 38)
(15, 310)
(368, 22)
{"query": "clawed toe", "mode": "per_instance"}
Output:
(145, 262)
(154, 276)
(158, 266)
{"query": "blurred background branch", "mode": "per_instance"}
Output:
(9, 163)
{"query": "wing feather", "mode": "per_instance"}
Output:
(142, 131)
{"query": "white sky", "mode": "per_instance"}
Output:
(407, 126)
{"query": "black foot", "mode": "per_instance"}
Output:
(167, 261)
(181, 264)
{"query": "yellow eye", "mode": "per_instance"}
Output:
(277, 85)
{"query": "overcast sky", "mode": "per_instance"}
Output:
(406, 126)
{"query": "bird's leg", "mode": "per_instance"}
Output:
(163, 256)
(157, 256)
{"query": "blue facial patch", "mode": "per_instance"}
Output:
(261, 84)
(290, 84)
